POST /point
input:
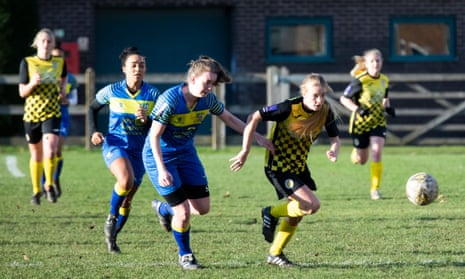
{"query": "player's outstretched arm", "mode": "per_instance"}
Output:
(333, 151)
(248, 134)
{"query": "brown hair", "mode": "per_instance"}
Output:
(208, 64)
(360, 62)
(311, 127)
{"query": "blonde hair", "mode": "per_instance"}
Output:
(360, 66)
(208, 64)
(311, 127)
(46, 31)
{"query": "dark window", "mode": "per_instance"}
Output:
(298, 39)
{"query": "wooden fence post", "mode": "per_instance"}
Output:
(90, 95)
(272, 88)
(277, 89)
(218, 126)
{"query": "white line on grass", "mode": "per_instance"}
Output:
(253, 264)
(12, 165)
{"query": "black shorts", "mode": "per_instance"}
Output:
(286, 183)
(187, 192)
(35, 130)
(363, 140)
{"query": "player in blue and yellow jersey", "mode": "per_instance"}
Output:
(71, 100)
(297, 124)
(367, 98)
(42, 82)
(170, 156)
(130, 102)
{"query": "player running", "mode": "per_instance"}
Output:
(170, 156)
(130, 102)
(42, 82)
(367, 98)
(297, 124)
(70, 100)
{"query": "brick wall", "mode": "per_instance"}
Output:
(358, 25)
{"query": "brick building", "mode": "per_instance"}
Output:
(355, 26)
(416, 36)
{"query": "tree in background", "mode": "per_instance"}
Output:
(19, 21)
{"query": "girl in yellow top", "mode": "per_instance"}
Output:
(367, 98)
(42, 83)
(297, 124)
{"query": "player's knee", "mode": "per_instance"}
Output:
(125, 185)
(202, 210)
(311, 207)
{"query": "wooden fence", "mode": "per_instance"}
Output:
(429, 107)
(426, 115)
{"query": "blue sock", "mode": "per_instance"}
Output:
(58, 168)
(115, 203)
(183, 241)
(122, 218)
(42, 181)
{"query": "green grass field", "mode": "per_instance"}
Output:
(350, 237)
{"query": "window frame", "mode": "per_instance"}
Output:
(448, 20)
(290, 21)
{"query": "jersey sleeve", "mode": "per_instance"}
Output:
(276, 112)
(163, 109)
(23, 72)
(64, 73)
(353, 89)
(216, 107)
(331, 125)
(103, 95)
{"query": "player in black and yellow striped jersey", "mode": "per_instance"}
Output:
(42, 83)
(298, 123)
(367, 97)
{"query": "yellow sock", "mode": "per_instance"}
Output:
(181, 230)
(279, 210)
(36, 169)
(354, 157)
(124, 211)
(293, 209)
(282, 238)
(376, 170)
(49, 168)
(288, 209)
(120, 191)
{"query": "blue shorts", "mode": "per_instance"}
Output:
(64, 125)
(111, 153)
(185, 167)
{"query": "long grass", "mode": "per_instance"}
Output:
(350, 237)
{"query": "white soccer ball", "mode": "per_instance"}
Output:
(422, 188)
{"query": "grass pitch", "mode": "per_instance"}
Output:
(350, 237)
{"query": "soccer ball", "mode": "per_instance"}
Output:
(422, 188)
